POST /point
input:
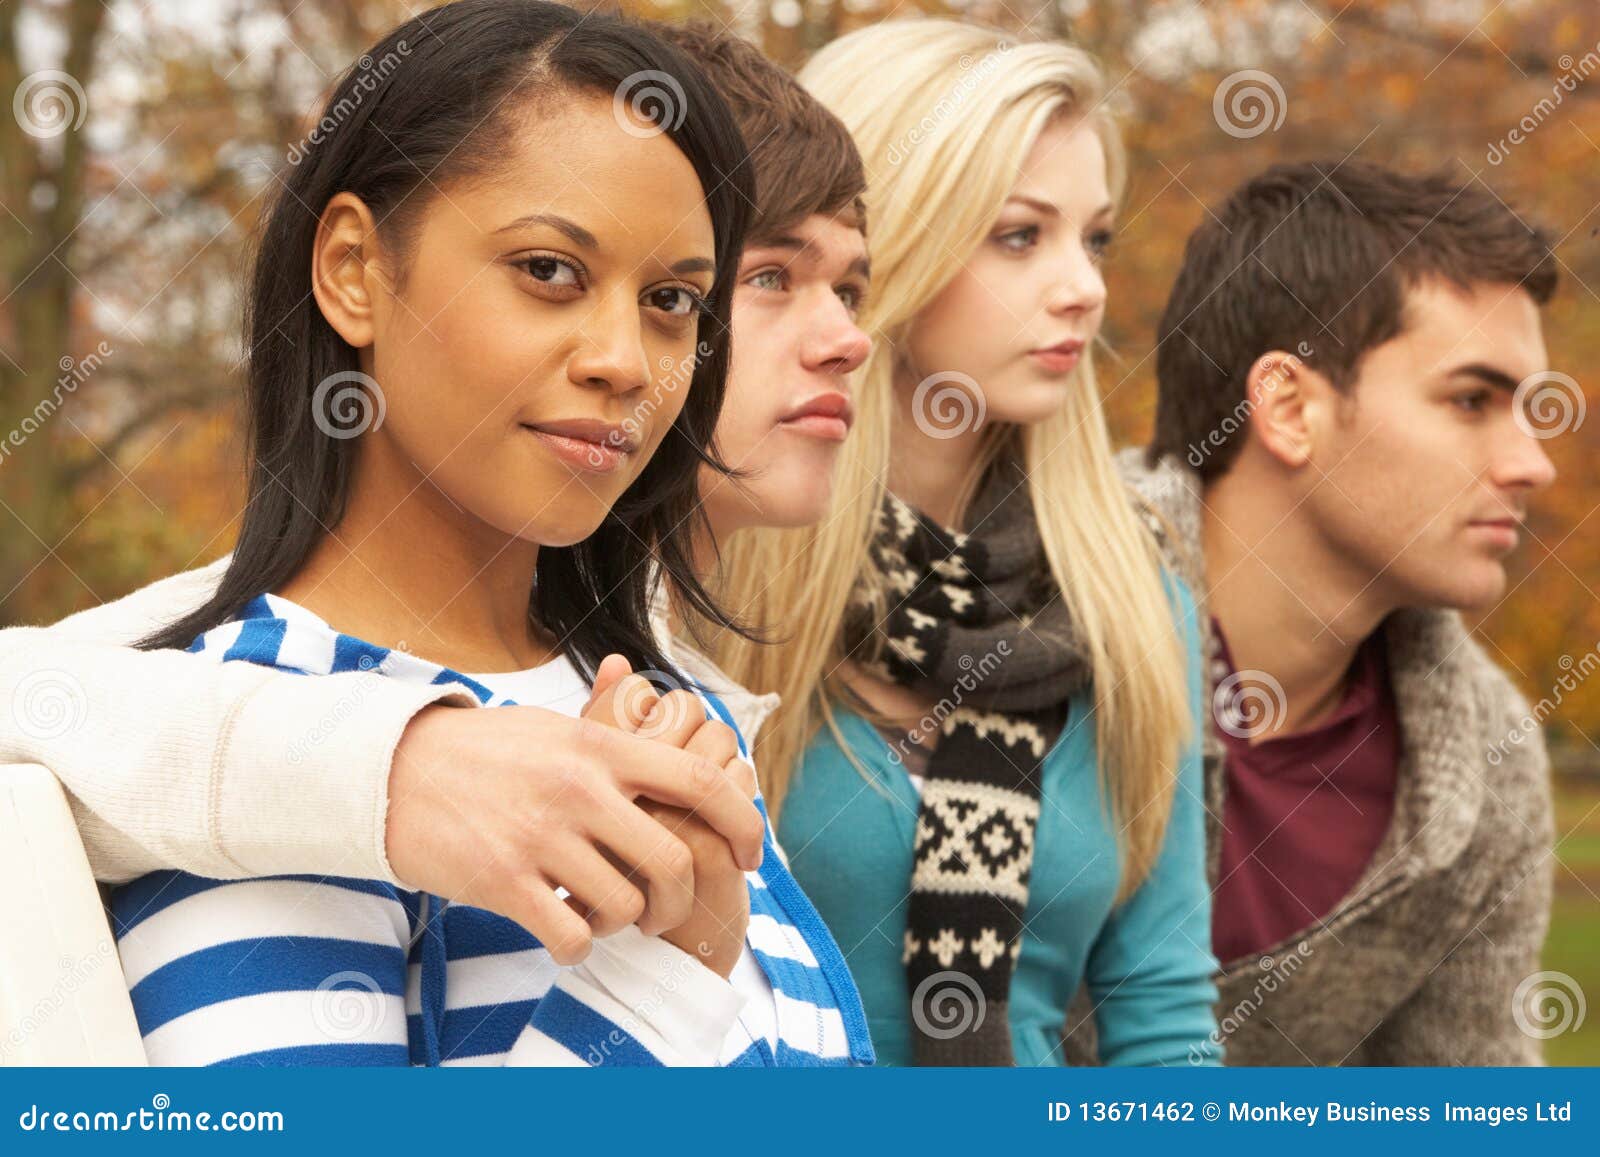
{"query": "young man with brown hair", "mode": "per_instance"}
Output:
(1342, 450)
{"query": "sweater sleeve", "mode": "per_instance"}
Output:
(1485, 1002)
(1150, 970)
(637, 1000)
(171, 760)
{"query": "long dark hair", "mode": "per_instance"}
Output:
(447, 79)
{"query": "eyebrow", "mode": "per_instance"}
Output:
(587, 240)
(1487, 374)
(1050, 210)
(861, 265)
(577, 233)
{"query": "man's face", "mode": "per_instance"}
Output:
(795, 343)
(1426, 472)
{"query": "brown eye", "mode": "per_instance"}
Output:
(676, 300)
(552, 271)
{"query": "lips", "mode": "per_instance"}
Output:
(1502, 532)
(1060, 358)
(586, 444)
(827, 416)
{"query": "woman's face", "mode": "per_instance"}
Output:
(1016, 317)
(543, 338)
(788, 406)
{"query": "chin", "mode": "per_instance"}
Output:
(1029, 405)
(1476, 585)
(537, 526)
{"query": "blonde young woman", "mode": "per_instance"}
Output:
(985, 771)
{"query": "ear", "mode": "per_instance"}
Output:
(346, 275)
(1287, 401)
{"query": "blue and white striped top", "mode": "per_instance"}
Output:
(338, 971)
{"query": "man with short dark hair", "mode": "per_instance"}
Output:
(1345, 457)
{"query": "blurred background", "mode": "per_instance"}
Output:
(144, 138)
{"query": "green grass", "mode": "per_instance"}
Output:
(1573, 947)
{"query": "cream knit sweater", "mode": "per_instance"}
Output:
(171, 761)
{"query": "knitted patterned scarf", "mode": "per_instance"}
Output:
(974, 621)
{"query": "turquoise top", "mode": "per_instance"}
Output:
(1147, 962)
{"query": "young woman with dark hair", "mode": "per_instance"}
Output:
(511, 265)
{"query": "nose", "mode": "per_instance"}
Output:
(1079, 286)
(1524, 464)
(836, 344)
(610, 352)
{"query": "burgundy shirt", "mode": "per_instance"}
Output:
(1304, 812)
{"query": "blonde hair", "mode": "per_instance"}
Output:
(945, 114)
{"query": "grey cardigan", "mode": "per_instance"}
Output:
(1420, 964)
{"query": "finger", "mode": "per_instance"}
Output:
(632, 700)
(624, 704)
(652, 857)
(742, 772)
(563, 932)
(715, 742)
(611, 671)
(651, 769)
(612, 902)
(676, 717)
